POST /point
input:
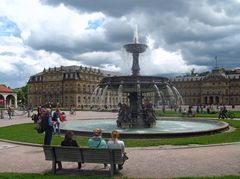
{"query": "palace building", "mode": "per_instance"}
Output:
(77, 85)
(218, 87)
(67, 85)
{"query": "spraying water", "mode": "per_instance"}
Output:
(179, 97)
(120, 93)
(93, 97)
(103, 96)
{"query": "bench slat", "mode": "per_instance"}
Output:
(96, 155)
(86, 155)
(68, 154)
(48, 152)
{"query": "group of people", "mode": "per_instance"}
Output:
(48, 122)
(222, 112)
(96, 142)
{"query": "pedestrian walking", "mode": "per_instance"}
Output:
(9, 111)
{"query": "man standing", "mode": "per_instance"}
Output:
(48, 127)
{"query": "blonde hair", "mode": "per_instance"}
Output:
(115, 135)
(97, 132)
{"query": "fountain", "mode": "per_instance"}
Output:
(137, 115)
(135, 119)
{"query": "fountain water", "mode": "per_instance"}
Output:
(120, 93)
(136, 119)
(93, 97)
(136, 87)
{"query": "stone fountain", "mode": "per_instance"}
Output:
(135, 86)
(138, 120)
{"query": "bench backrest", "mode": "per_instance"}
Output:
(88, 155)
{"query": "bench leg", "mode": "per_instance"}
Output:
(54, 167)
(79, 165)
(59, 165)
(112, 170)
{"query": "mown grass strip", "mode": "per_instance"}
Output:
(44, 176)
(49, 176)
(27, 133)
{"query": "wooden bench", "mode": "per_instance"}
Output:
(84, 155)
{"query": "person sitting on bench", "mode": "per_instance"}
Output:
(114, 143)
(68, 141)
(97, 142)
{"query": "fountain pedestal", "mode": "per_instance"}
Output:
(136, 116)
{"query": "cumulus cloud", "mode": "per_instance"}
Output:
(181, 35)
(19, 62)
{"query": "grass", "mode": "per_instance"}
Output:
(43, 176)
(212, 177)
(204, 139)
(48, 176)
(27, 133)
(172, 113)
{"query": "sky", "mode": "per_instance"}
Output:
(180, 34)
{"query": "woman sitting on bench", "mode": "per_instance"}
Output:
(97, 142)
(68, 141)
(114, 143)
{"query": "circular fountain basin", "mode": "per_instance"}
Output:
(164, 128)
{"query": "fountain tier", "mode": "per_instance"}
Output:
(135, 114)
(130, 83)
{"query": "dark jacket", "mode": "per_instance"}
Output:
(69, 142)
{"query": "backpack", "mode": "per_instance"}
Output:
(43, 124)
(39, 129)
(54, 118)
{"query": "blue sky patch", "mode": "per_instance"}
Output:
(94, 24)
(8, 27)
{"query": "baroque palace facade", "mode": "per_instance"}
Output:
(218, 87)
(75, 85)
(67, 85)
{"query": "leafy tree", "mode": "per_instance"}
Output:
(22, 95)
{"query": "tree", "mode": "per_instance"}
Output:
(22, 95)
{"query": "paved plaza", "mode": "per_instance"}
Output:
(154, 162)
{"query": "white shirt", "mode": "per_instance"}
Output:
(118, 144)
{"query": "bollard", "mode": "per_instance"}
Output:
(1, 115)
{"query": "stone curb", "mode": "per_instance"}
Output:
(21, 143)
(165, 147)
(169, 147)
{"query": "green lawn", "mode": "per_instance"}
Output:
(172, 113)
(27, 133)
(43, 176)
(48, 176)
(213, 177)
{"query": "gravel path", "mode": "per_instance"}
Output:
(151, 162)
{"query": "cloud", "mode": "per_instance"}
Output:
(19, 62)
(184, 35)
(8, 27)
(158, 61)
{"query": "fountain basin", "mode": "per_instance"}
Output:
(164, 128)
